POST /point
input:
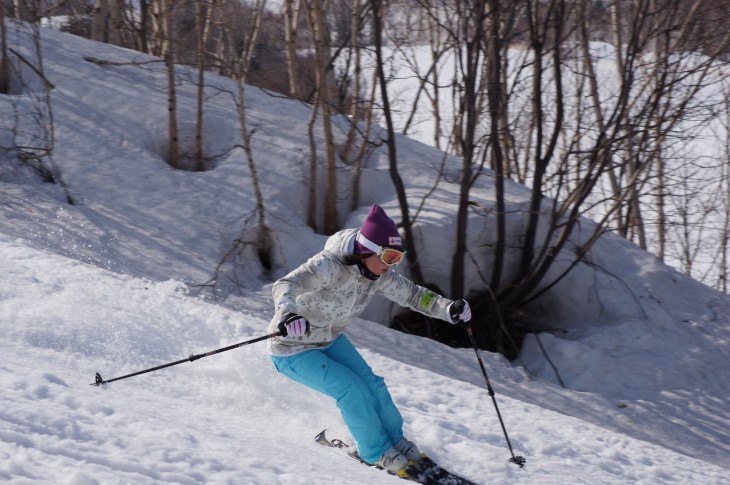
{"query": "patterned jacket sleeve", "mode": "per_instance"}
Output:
(315, 274)
(403, 291)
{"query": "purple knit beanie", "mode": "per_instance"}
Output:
(380, 229)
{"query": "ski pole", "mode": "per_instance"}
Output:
(100, 381)
(517, 460)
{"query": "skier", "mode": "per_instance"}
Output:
(313, 305)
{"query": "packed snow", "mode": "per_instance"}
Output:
(116, 283)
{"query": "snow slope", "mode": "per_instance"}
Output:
(110, 285)
(230, 419)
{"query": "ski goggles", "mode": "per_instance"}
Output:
(387, 256)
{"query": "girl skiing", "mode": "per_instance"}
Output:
(313, 305)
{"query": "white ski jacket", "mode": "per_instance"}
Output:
(329, 294)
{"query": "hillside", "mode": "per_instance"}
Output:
(111, 284)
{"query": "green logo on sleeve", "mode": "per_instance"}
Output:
(427, 300)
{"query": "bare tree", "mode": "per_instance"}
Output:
(4, 61)
(365, 145)
(317, 11)
(26, 10)
(291, 28)
(312, 219)
(378, 13)
(723, 246)
(204, 18)
(264, 244)
(604, 163)
(356, 100)
(107, 23)
(31, 126)
(144, 26)
(164, 11)
(635, 128)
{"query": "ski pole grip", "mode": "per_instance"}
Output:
(455, 311)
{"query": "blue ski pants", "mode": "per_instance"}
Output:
(340, 372)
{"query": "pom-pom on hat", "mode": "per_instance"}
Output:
(380, 229)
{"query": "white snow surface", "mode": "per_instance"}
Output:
(110, 285)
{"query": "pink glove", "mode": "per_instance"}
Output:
(293, 325)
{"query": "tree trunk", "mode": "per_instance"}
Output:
(326, 89)
(144, 26)
(100, 21)
(203, 22)
(4, 61)
(115, 23)
(412, 254)
(494, 99)
(355, 99)
(291, 27)
(366, 145)
(264, 247)
(159, 34)
(173, 148)
(313, 162)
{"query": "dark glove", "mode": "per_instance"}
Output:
(460, 312)
(293, 325)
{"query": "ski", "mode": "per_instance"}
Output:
(347, 448)
(435, 473)
(426, 471)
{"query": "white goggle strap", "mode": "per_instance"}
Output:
(368, 243)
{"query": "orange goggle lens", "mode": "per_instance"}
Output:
(390, 257)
